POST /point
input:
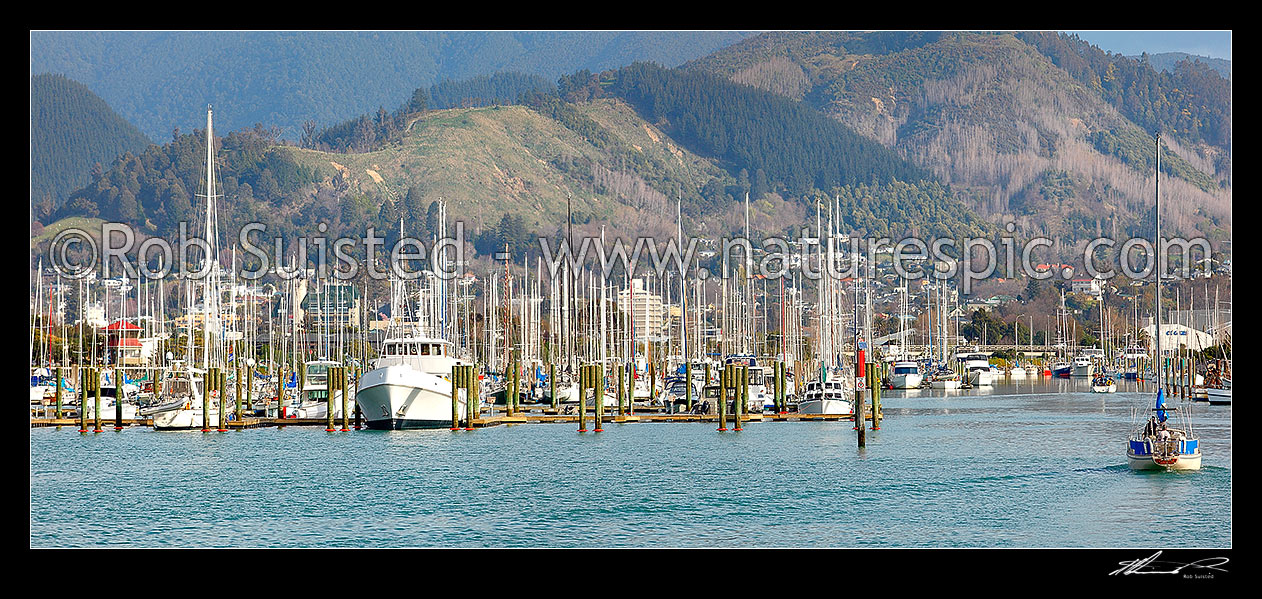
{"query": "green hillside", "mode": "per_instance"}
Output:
(71, 131)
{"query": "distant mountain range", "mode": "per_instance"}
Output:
(163, 80)
(1042, 128)
(949, 133)
(1166, 61)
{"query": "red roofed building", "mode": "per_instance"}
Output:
(123, 341)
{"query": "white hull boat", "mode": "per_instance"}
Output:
(839, 407)
(400, 397)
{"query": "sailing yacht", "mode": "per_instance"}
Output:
(905, 373)
(179, 407)
(1156, 445)
(1101, 382)
(113, 398)
(945, 378)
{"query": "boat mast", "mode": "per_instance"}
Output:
(1157, 247)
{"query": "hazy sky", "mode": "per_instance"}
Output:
(1214, 44)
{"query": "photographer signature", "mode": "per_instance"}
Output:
(1149, 564)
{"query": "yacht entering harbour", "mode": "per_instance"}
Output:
(1156, 445)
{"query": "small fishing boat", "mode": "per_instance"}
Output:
(1103, 383)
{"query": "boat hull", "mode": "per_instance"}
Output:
(398, 397)
(1218, 396)
(1146, 462)
(839, 407)
(1104, 388)
(185, 419)
(906, 381)
(981, 378)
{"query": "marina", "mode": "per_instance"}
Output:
(748, 301)
(979, 468)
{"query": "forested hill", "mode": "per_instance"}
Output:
(72, 131)
(1040, 129)
(163, 80)
(1169, 61)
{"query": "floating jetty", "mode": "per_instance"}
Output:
(530, 415)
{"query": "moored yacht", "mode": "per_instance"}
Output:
(945, 378)
(179, 406)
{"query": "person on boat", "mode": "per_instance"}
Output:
(1150, 430)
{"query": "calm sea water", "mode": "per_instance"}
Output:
(1037, 464)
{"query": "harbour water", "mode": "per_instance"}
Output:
(1029, 464)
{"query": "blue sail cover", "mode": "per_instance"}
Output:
(1161, 405)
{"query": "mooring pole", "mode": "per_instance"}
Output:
(582, 398)
(346, 391)
(688, 386)
(118, 398)
(876, 405)
(457, 383)
(57, 410)
(96, 387)
(210, 380)
(860, 415)
(599, 394)
(83, 399)
(725, 384)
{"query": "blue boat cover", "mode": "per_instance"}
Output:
(1161, 405)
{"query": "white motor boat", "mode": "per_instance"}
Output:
(410, 385)
(978, 369)
(906, 375)
(829, 398)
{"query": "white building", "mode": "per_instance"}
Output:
(648, 315)
(1174, 335)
